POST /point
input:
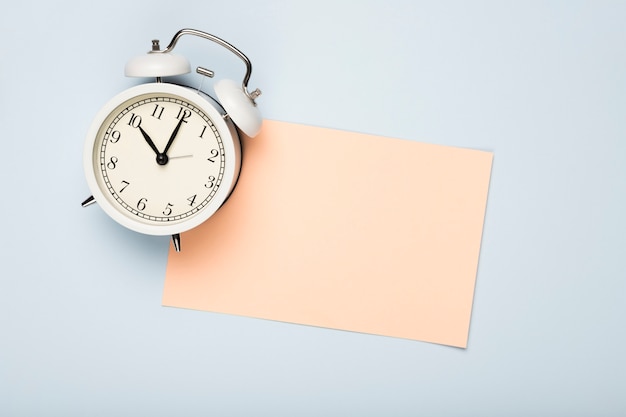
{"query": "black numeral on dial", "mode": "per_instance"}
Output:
(141, 204)
(158, 111)
(214, 154)
(184, 113)
(112, 162)
(135, 120)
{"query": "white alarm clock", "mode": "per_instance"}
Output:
(162, 158)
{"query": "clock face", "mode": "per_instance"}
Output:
(163, 161)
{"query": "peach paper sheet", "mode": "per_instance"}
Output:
(342, 230)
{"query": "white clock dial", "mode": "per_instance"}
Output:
(163, 160)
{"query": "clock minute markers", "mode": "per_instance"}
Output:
(152, 186)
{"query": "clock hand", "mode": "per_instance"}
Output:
(150, 142)
(180, 156)
(173, 136)
(161, 157)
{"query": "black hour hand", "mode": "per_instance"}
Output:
(149, 140)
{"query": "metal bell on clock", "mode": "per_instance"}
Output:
(155, 64)
(240, 106)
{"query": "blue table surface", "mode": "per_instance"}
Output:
(542, 84)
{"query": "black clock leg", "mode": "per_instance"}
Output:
(89, 201)
(176, 242)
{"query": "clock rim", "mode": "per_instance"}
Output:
(232, 164)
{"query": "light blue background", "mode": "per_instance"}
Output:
(541, 84)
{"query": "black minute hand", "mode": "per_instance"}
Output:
(173, 136)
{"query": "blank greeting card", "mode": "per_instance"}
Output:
(342, 230)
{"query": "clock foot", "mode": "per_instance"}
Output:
(89, 201)
(176, 242)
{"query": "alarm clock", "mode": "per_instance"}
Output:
(161, 158)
